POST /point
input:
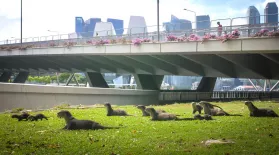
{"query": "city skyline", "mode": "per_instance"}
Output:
(37, 24)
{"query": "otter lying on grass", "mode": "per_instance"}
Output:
(259, 112)
(117, 112)
(75, 124)
(145, 113)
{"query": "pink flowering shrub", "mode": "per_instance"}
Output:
(146, 40)
(101, 42)
(193, 37)
(171, 38)
(262, 32)
(137, 42)
(208, 36)
(89, 42)
(69, 44)
(234, 35)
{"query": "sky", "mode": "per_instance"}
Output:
(39, 16)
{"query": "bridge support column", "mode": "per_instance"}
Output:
(148, 82)
(21, 77)
(96, 80)
(5, 76)
(207, 84)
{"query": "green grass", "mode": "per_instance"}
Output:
(139, 135)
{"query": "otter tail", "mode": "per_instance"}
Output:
(218, 107)
(185, 119)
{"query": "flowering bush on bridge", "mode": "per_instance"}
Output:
(234, 35)
(69, 44)
(137, 42)
(171, 38)
(266, 32)
(101, 42)
(194, 37)
(207, 37)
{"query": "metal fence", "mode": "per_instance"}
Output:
(229, 24)
(168, 97)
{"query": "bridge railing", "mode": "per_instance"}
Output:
(218, 95)
(229, 24)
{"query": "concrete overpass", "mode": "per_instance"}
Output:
(148, 62)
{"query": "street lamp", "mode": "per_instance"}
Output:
(158, 20)
(195, 15)
(21, 23)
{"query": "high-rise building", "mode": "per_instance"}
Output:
(253, 16)
(177, 24)
(137, 25)
(118, 25)
(79, 25)
(90, 26)
(203, 23)
(271, 13)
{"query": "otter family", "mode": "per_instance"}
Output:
(156, 115)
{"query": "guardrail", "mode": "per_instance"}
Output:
(170, 97)
(229, 24)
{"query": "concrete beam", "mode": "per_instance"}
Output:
(21, 77)
(148, 82)
(213, 61)
(147, 59)
(254, 62)
(90, 61)
(186, 64)
(120, 67)
(55, 63)
(74, 62)
(5, 76)
(96, 80)
(207, 84)
(126, 60)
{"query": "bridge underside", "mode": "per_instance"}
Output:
(256, 66)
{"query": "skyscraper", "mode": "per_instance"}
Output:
(79, 25)
(177, 24)
(203, 22)
(90, 26)
(271, 8)
(118, 25)
(253, 16)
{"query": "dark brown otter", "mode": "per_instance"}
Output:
(145, 113)
(117, 112)
(22, 116)
(74, 124)
(259, 112)
(36, 117)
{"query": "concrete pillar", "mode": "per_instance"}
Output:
(207, 84)
(148, 82)
(5, 76)
(21, 77)
(96, 80)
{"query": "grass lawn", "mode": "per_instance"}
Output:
(139, 135)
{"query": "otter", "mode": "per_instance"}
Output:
(214, 112)
(22, 116)
(155, 116)
(196, 107)
(259, 112)
(205, 117)
(74, 124)
(36, 117)
(211, 106)
(117, 112)
(145, 113)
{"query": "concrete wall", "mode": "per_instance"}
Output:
(42, 97)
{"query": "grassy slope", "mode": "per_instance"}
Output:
(139, 135)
